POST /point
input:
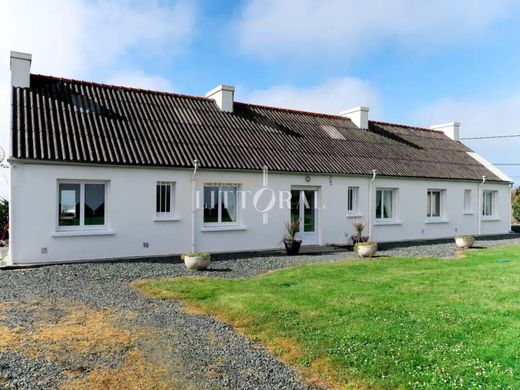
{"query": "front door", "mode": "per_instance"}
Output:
(304, 208)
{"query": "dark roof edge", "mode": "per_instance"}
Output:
(120, 87)
(405, 126)
(294, 111)
(15, 160)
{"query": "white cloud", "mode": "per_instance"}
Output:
(348, 28)
(139, 79)
(481, 118)
(332, 96)
(86, 39)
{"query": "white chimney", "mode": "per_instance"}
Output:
(451, 129)
(358, 115)
(223, 96)
(20, 69)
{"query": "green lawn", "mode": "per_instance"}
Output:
(382, 323)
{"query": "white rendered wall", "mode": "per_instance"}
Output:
(130, 212)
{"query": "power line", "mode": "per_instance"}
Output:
(507, 164)
(493, 136)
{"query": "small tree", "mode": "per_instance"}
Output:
(515, 204)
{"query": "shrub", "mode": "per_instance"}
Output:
(4, 214)
(516, 209)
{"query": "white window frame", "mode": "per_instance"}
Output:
(442, 202)
(353, 198)
(219, 222)
(393, 216)
(467, 205)
(171, 215)
(484, 212)
(81, 226)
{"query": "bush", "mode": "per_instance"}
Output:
(516, 209)
(4, 216)
(515, 204)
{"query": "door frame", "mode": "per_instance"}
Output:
(312, 238)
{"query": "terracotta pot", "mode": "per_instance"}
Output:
(197, 263)
(292, 247)
(365, 250)
(464, 242)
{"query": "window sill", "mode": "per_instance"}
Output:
(354, 215)
(490, 219)
(436, 220)
(222, 228)
(468, 213)
(83, 232)
(167, 219)
(387, 223)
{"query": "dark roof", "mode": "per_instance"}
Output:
(76, 121)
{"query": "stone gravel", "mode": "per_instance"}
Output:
(204, 353)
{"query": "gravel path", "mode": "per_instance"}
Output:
(195, 351)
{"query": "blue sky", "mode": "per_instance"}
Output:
(414, 62)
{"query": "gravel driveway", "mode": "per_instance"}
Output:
(84, 326)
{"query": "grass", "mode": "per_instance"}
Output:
(386, 323)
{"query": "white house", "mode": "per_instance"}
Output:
(101, 171)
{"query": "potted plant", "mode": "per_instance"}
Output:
(197, 261)
(292, 245)
(366, 249)
(359, 227)
(464, 242)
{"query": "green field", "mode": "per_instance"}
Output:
(381, 323)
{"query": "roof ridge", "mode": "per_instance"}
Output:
(293, 110)
(176, 94)
(401, 125)
(120, 87)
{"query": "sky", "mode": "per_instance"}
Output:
(413, 62)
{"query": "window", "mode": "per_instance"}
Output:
(435, 204)
(165, 200)
(467, 201)
(385, 203)
(488, 203)
(81, 205)
(352, 200)
(220, 204)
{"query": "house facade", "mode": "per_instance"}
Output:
(100, 171)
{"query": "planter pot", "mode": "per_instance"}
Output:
(464, 242)
(292, 247)
(367, 250)
(197, 263)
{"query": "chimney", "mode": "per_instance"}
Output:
(20, 69)
(223, 96)
(358, 115)
(451, 129)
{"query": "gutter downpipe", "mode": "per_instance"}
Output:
(374, 173)
(195, 166)
(480, 205)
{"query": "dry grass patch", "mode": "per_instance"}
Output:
(135, 373)
(60, 331)
(70, 334)
(82, 331)
(8, 337)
